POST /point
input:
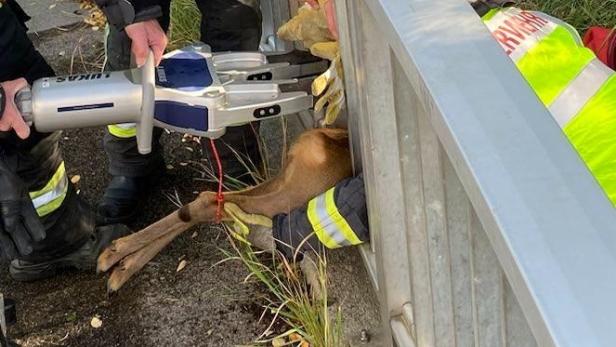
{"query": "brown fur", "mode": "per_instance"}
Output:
(317, 161)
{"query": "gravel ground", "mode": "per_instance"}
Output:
(203, 305)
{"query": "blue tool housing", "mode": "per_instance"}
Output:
(185, 72)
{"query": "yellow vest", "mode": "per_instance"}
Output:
(577, 88)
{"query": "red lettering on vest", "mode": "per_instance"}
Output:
(517, 28)
(534, 18)
(508, 42)
(523, 23)
(513, 28)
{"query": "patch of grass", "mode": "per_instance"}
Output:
(185, 21)
(310, 320)
(582, 14)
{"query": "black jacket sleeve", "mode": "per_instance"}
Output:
(18, 58)
(294, 230)
(121, 13)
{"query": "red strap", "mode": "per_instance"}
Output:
(220, 198)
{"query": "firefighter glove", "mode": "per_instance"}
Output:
(329, 86)
(253, 229)
(20, 225)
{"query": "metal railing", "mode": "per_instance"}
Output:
(487, 229)
(275, 13)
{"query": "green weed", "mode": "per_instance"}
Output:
(185, 21)
(582, 14)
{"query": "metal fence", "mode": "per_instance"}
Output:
(487, 229)
(275, 13)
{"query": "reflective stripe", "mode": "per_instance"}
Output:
(125, 130)
(329, 225)
(315, 207)
(571, 101)
(514, 33)
(337, 218)
(52, 195)
(52, 183)
(566, 60)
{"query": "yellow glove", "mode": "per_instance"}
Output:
(329, 86)
(244, 224)
(308, 26)
(327, 50)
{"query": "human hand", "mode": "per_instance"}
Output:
(145, 36)
(11, 119)
(253, 229)
(330, 14)
(329, 88)
(308, 26)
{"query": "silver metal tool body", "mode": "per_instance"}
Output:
(191, 91)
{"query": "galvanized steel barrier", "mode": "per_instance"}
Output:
(487, 229)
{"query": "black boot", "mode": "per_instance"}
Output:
(122, 199)
(83, 258)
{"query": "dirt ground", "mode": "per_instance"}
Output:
(203, 305)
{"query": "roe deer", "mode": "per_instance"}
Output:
(318, 160)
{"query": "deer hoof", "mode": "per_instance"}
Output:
(116, 280)
(106, 260)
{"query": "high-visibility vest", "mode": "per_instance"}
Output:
(50, 197)
(577, 88)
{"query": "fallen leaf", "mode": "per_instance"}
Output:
(96, 322)
(278, 342)
(75, 179)
(181, 266)
(195, 234)
(209, 332)
(169, 167)
(189, 149)
(95, 28)
(304, 344)
(295, 337)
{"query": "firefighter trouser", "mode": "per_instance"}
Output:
(37, 160)
(334, 219)
(226, 25)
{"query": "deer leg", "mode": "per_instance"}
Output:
(173, 224)
(317, 163)
(134, 262)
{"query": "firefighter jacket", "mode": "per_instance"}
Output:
(577, 88)
(336, 218)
